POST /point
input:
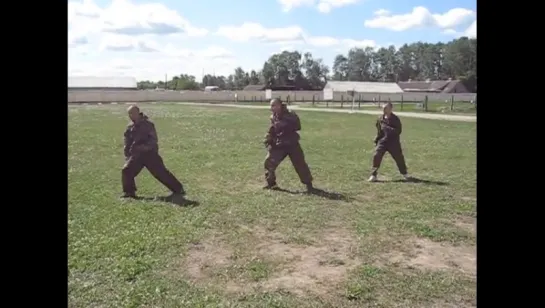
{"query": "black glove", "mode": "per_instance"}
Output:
(376, 140)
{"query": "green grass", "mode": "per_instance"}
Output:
(389, 244)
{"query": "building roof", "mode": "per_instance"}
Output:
(101, 82)
(254, 87)
(445, 86)
(363, 87)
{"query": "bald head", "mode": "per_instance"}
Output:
(276, 105)
(387, 108)
(275, 101)
(134, 112)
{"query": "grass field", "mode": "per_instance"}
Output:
(389, 244)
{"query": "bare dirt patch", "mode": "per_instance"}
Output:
(467, 223)
(428, 255)
(318, 268)
(318, 264)
(205, 257)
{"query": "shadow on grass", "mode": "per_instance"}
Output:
(179, 201)
(320, 193)
(414, 181)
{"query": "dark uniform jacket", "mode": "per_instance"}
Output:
(140, 137)
(388, 129)
(283, 129)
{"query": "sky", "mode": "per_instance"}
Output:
(148, 39)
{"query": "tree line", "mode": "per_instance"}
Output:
(456, 59)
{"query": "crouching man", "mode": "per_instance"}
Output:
(142, 150)
(282, 140)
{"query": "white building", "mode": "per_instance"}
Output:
(363, 87)
(101, 83)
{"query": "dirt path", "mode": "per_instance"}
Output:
(432, 116)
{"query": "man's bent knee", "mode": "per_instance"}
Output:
(269, 164)
(127, 171)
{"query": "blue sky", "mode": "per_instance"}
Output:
(148, 39)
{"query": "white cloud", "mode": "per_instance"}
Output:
(285, 36)
(77, 41)
(450, 32)
(324, 6)
(98, 33)
(472, 30)
(381, 12)
(216, 52)
(134, 36)
(128, 18)
(323, 41)
(127, 43)
(85, 8)
(253, 31)
(421, 17)
(327, 41)
(288, 5)
(146, 67)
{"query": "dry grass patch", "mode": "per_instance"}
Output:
(203, 259)
(319, 266)
(428, 255)
(272, 261)
(467, 223)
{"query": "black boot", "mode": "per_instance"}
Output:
(271, 186)
(176, 195)
(310, 188)
(128, 196)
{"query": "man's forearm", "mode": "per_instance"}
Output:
(126, 150)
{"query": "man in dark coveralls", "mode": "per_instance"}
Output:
(387, 140)
(282, 140)
(142, 150)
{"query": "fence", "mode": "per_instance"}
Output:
(94, 96)
(433, 102)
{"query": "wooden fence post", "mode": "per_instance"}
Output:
(342, 101)
(401, 102)
(452, 103)
(426, 103)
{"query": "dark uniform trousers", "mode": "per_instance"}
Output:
(155, 165)
(394, 148)
(277, 154)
